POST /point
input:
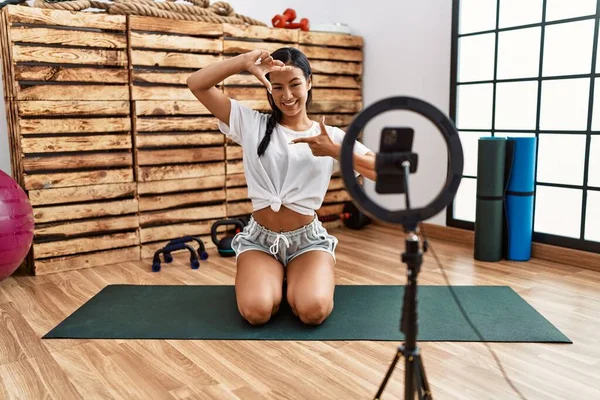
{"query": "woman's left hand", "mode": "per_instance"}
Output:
(321, 145)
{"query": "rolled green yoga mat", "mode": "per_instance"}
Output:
(361, 313)
(491, 187)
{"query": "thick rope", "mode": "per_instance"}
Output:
(192, 10)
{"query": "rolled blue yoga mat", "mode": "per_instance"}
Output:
(520, 199)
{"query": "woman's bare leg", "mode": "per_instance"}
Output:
(258, 286)
(310, 286)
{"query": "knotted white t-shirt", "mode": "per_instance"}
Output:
(286, 174)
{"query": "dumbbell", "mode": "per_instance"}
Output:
(351, 216)
(280, 21)
(304, 25)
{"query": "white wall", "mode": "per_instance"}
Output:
(4, 147)
(407, 53)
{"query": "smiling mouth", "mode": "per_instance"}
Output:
(292, 104)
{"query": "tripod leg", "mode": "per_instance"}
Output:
(422, 380)
(389, 373)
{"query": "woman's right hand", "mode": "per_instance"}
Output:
(260, 63)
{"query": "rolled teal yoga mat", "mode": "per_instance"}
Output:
(520, 199)
(489, 213)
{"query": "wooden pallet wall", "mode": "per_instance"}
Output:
(66, 85)
(180, 154)
(114, 151)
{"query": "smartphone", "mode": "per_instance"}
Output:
(398, 140)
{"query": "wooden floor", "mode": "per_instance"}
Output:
(31, 368)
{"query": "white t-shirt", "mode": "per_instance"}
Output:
(286, 174)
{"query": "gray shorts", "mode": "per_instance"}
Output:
(284, 246)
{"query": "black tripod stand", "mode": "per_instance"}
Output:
(414, 371)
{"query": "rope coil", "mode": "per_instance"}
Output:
(190, 10)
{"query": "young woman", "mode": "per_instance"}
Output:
(288, 161)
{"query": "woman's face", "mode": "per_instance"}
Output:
(290, 90)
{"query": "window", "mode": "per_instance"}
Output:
(531, 68)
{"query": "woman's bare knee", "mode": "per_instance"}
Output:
(258, 312)
(314, 310)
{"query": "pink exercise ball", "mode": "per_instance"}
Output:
(16, 225)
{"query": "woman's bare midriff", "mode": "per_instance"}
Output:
(283, 221)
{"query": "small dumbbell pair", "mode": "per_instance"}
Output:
(285, 21)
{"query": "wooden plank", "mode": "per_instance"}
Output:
(89, 260)
(72, 108)
(244, 46)
(330, 39)
(79, 161)
(170, 107)
(234, 152)
(73, 228)
(182, 27)
(81, 193)
(42, 16)
(76, 143)
(336, 81)
(176, 124)
(8, 71)
(65, 37)
(330, 210)
(60, 73)
(163, 93)
(167, 59)
(170, 77)
(337, 196)
(150, 203)
(333, 119)
(252, 93)
(67, 179)
(242, 80)
(336, 183)
(64, 55)
(74, 125)
(336, 67)
(179, 139)
(234, 180)
(83, 211)
(83, 245)
(235, 167)
(170, 232)
(168, 172)
(234, 194)
(74, 92)
(183, 215)
(179, 156)
(181, 185)
(260, 32)
(239, 208)
(258, 105)
(335, 106)
(332, 53)
(175, 42)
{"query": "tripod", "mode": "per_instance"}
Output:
(414, 371)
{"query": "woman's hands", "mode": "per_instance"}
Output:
(259, 63)
(321, 145)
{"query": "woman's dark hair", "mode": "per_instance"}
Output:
(289, 56)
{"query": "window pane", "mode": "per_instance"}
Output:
(519, 53)
(477, 15)
(474, 106)
(596, 109)
(592, 216)
(562, 9)
(469, 142)
(565, 104)
(476, 58)
(520, 12)
(464, 201)
(594, 165)
(514, 134)
(568, 48)
(516, 105)
(561, 158)
(558, 211)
